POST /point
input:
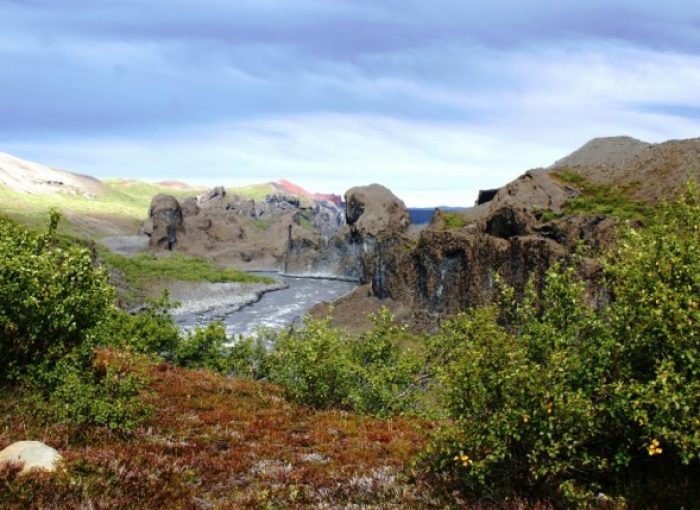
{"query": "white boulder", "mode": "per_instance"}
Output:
(33, 455)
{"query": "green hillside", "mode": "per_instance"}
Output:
(118, 209)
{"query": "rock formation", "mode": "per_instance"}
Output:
(371, 213)
(247, 233)
(452, 265)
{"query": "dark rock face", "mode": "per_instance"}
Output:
(449, 271)
(485, 196)
(372, 212)
(507, 222)
(165, 221)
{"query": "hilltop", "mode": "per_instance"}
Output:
(96, 208)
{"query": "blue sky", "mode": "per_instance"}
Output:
(433, 99)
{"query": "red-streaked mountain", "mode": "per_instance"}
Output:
(289, 188)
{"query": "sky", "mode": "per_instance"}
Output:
(434, 99)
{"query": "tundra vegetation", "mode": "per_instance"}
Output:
(542, 400)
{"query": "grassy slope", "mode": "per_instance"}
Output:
(601, 199)
(144, 267)
(216, 442)
(120, 209)
(122, 206)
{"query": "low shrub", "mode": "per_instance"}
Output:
(323, 367)
(53, 303)
(567, 402)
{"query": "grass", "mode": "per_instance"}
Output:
(596, 199)
(262, 224)
(453, 219)
(217, 442)
(147, 267)
(254, 191)
(122, 205)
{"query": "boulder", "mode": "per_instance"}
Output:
(534, 190)
(165, 217)
(373, 209)
(212, 198)
(33, 455)
(507, 222)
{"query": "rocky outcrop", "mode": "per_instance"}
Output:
(454, 262)
(247, 233)
(448, 271)
(165, 221)
(646, 172)
(374, 209)
(372, 212)
(32, 456)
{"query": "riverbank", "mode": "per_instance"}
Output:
(245, 308)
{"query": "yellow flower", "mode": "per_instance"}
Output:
(549, 407)
(464, 459)
(654, 447)
(526, 418)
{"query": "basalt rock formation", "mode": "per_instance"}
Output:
(371, 213)
(518, 231)
(246, 233)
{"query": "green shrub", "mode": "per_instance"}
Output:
(203, 348)
(323, 367)
(386, 368)
(563, 401)
(312, 365)
(150, 331)
(248, 357)
(106, 395)
(53, 304)
(453, 219)
(50, 298)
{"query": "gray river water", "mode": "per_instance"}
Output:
(275, 309)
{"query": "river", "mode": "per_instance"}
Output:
(275, 308)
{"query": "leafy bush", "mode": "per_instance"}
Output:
(312, 365)
(248, 357)
(150, 331)
(52, 303)
(324, 367)
(204, 348)
(565, 401)
(50, 298)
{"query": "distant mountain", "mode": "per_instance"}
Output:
(33, 178)
(423, 215)
(287, 187)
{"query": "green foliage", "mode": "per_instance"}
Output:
(177, 267)
(248, 357)
(565, 401)
(150, 331)
(105, 395)
(324, 367)
(204, 348)
(50, 298)
(453, 219)
(52, 304)
(311, 365)
(598, 199)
